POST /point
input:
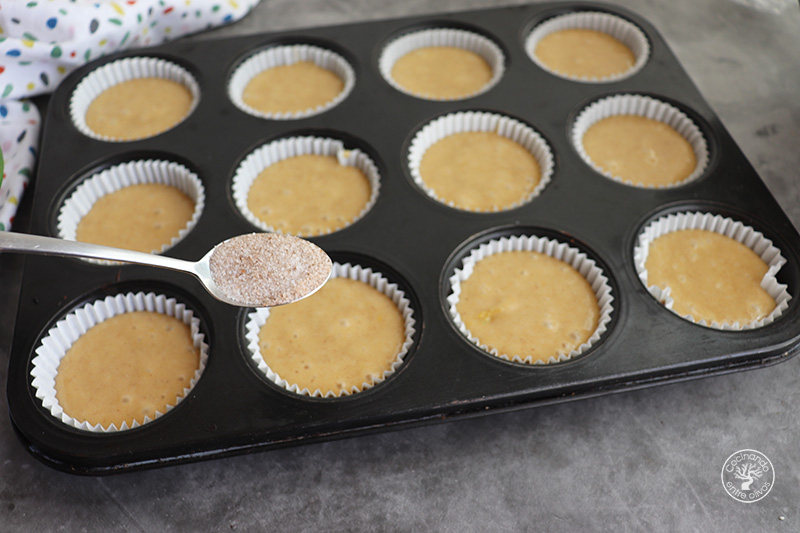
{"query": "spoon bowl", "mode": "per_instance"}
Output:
(251, 270)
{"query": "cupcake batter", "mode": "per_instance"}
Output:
(711, 277)
(442, 72)
(308, 195)
(479, 171)
(584, 53)
(346, 334)
(138, 108)
(127, 367)
(528, 304)
(639, 150)
(292, 88)
(142, 217)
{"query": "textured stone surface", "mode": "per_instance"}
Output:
(637, 461)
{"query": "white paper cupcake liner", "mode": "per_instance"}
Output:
(479, 121)
(259, 316)
(289, 147)
(620, 29)
(558, 250)
(63, 335)
(449, 37)
(149, 171)
(738, 231)
(643, 106)
(289, 55)
(123, 70)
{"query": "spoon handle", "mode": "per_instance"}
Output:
(37, 244)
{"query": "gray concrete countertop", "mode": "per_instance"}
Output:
(647, 460)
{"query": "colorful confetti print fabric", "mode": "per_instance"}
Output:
(42, 41)
(19, 131)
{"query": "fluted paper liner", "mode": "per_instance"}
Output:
(620, 29)
(738, 231)
(258, 317)
(480, 121)
(288, 55)
(119, 71)
(553, 248)
(466, 40)
(62, 336)
(643, 106)
(148, 171)
(289, 147)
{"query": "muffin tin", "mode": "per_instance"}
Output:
(408, 237)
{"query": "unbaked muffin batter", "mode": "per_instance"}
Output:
(711, 277)
(292, 88)
(345, 334)
(528, 303)
(308, 195)
(142, 217)
(584, 53)
(138, 108)
(479, 171)
(442, 72)
(127, 367)
(639, 150)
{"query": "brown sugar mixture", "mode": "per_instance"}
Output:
(711, 277)
(584, 53)
(528, 304)
(127, 367)
(268, 269)
(346, 334)
(292, 88)
(309, 195)
(639, 150)
(442, 72)
(142, 217)
(479, 171)
(138, 108)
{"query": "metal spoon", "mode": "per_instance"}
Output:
(252, 270)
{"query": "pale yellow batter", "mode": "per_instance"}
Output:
(292, 88)
(308, 195)
(346, 334)
(138, 108)
(141, 217)
(528, 304)
(584, 53)
(126, 368)
(479, 171)
(711, 277)
(639, 150)
(442, 72)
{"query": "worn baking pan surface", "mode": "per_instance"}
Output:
(410, 238)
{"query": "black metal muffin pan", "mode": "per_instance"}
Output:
(410, 238)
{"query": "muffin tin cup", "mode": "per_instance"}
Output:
(288, 55)
(479, 121)
(129, 68)
(620, 29)
(643, 106)
(376, 280)
(60, 338)
(441, 37)
(738, 231)
(578, 260)
(147, 171)
(289, 147)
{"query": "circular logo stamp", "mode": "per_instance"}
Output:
(748, 476)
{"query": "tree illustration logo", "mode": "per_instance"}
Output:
(748, 476)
